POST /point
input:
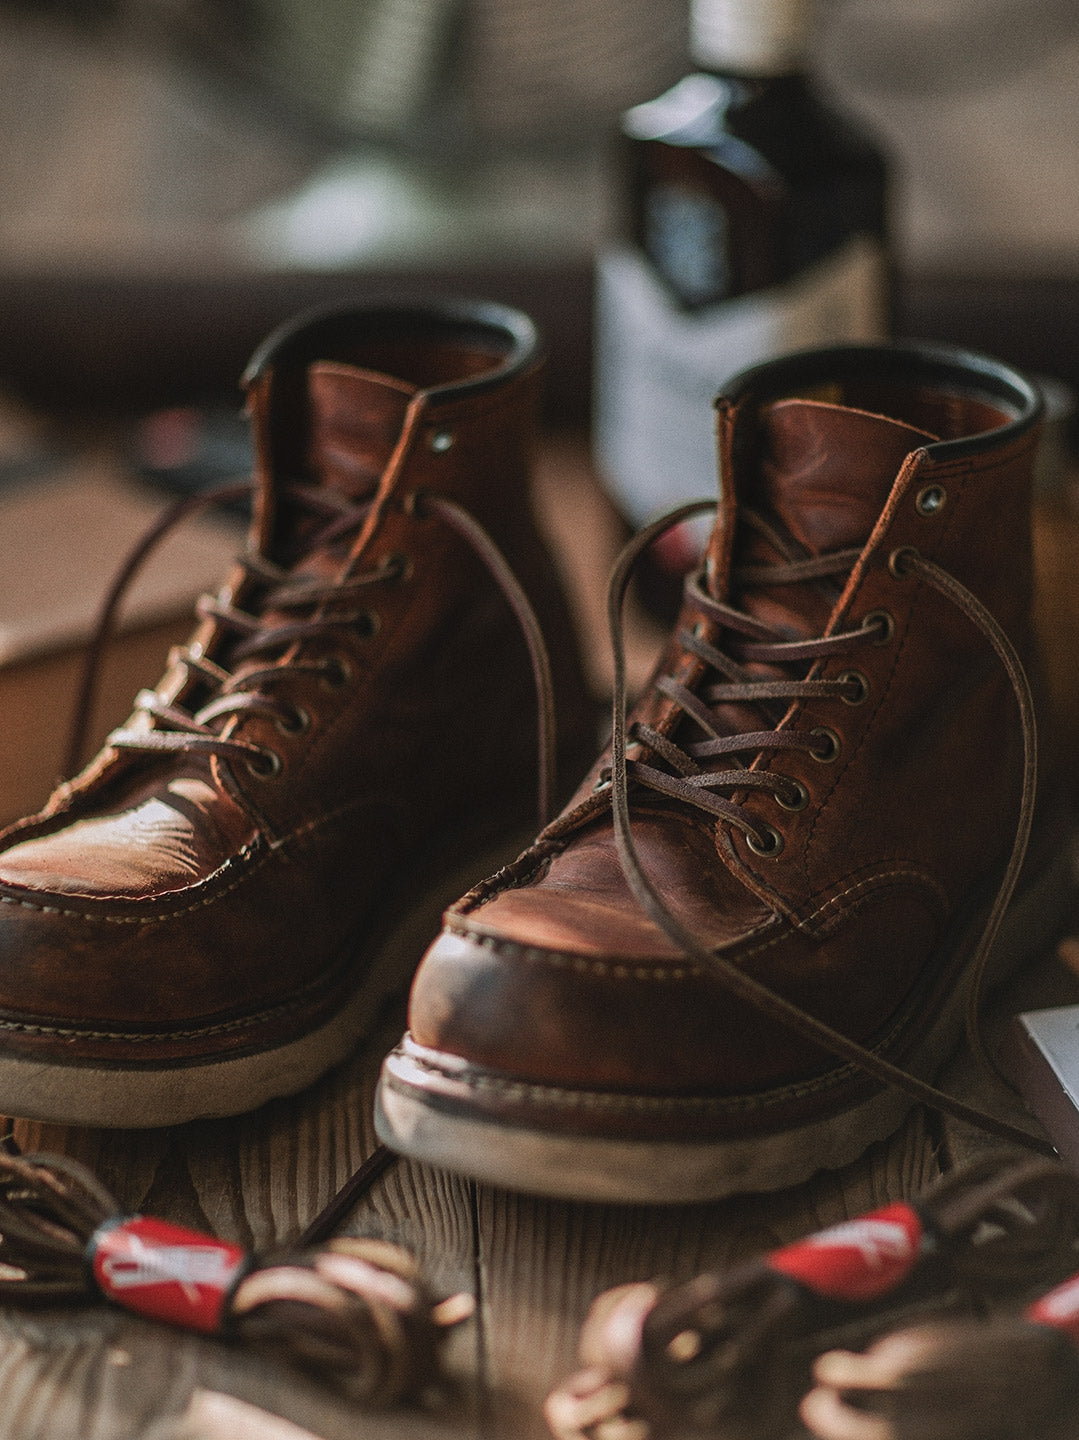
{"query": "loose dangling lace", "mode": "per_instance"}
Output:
(690, 784)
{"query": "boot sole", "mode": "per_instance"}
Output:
(138, 1097)
(416, 1120)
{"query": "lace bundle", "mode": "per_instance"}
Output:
(1004, 1379)
(353, 1312)
(731, 1351)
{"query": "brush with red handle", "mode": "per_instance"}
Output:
(353, 1312)
(730, 1352)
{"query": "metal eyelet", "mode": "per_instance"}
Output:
(899, 561)
(769, 845)
(413, 505)
(264, 764)
(797, 798)
(296, 722)
(854, 677)
(368, 623)
(884, 621)
(441, 441)
(829, 751)
(400, 566)
(931, 500)
(337, 672)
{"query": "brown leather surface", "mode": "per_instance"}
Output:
(168, 907)
(555, 977)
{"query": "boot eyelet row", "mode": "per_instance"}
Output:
(931, 500)
(265, 765)
(797, 798)
(830, 747)
(861, 684)
(768, 845)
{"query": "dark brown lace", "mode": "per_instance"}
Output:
(304, 609)
(688, 783)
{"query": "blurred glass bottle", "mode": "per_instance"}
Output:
(755, 222)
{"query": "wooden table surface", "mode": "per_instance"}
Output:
(93, 1373)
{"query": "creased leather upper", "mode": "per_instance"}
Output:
(904, 829)
(162, 892)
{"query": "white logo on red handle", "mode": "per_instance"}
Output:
(165, 1271)
(857, 1259)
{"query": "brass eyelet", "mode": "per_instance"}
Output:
(413, 505)
(831, 747)
(899, 561)
(336, 673)
(296, 722)
(769, 845)
(264, 764)
(931, 500)
(854, 677)
(401, 567)
(797, 799)
(884, 621)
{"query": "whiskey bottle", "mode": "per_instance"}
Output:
(755, 223)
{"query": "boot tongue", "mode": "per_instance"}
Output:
(356, 417)
(827, 470)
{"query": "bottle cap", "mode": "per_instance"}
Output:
(750, 37)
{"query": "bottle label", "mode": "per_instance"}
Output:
(165, 1271)
(858, 1260)
(658, 368)
(752, 37)
(1059, 1309)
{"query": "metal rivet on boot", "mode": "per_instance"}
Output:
(830, 745)
(883, 622)
(796, 799)
(860, 687)
(899, 561)
(768, 845)
(931, 500)
(441, 441)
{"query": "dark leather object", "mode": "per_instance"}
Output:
(188, 929)
(562, 1036)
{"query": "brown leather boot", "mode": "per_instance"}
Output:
(205, 917)
(772, 898)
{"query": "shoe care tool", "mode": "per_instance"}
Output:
(730, 1352)
(352, 1312)
(1011, 1376)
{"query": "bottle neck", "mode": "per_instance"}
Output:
(754, 38)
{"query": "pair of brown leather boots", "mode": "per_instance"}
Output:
(744, 947)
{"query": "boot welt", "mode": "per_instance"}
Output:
(442, 1110)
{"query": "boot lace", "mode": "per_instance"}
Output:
(282, 614)
(685, 779)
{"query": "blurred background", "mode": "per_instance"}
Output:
(178, 175)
